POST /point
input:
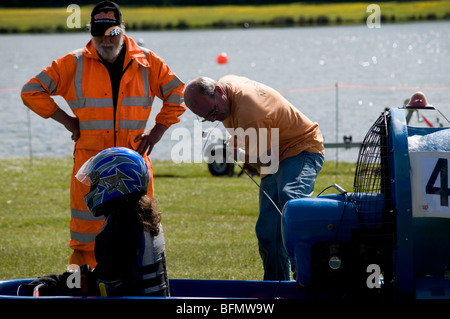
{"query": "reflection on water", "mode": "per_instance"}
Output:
(303, 63)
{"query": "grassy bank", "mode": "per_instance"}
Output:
(208, 221)
(18, 20)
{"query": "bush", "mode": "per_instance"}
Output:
(282, 21)
(322, 20)
(183, 25)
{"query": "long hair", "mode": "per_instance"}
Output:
(137, 206)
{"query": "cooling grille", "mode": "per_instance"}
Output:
(371, 186)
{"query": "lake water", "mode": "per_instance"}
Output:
(375, 68)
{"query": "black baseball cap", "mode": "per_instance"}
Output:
(106, 19)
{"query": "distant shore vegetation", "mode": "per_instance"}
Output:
(151, 18)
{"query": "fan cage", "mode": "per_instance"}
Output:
(371, 185)
(373, 204)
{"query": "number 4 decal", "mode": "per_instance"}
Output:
(441, 169)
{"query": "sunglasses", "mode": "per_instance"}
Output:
(212, 112)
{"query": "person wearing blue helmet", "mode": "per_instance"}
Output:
(130, 248)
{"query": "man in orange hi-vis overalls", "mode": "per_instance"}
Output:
(110, 85)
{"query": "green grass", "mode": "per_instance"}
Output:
(208, 221)
(151, 18)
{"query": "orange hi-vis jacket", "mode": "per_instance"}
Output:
(84, 82)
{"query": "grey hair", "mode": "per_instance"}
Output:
(206, 86)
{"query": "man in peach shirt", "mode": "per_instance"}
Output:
(279, 140)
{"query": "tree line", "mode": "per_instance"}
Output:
(161, 3)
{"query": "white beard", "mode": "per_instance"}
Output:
(109, 51)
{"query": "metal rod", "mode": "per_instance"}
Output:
(342, 145)
(337, 123)
(30, 145)
(267, 195)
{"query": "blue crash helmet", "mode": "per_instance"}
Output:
(112, 173)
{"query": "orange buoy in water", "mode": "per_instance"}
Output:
(222, 58)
